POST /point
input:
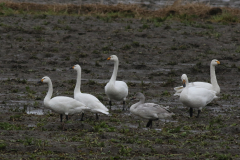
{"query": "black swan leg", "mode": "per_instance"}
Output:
(191, 112)
(67, 117)
(61, 117)
(149, 124)
(82, 116)
(123, 105)
(97, 118)
(199, 111)
(110, 104)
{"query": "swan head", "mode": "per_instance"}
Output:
(76, 67)
(215, 62)
(45, 79)
(113, 58)
(138, 95)
(184, 80)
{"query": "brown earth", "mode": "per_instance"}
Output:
(153, 56)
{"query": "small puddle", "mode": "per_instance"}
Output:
(36, 111)
(31, 125)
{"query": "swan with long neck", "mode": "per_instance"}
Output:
(61, 104)
(116, 90)
(150, 111)
(195, 96)
(89, 100)
(212, 86)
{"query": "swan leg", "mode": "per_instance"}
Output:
(199, 111)
(97, 118)
(123, 105)
(82, 116)
(191, 112)
(149, 124)
(67, 117)
(110, 104)
(61, 117)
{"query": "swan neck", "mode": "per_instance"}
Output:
(142, 100)
(49, 93)
(78, 83)
(115, 70)
(213, 76)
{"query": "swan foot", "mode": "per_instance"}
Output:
(149, 124)
(199, 111)
(191, 112)
(63, 126)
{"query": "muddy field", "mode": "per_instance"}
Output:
(152, 55)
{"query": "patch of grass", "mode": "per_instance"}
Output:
(3, 146)
(169, 83)
(225, 18)
(126, 47)
(8, 126)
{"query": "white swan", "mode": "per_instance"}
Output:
(89, 100)
(61, 104)
(116, 90)
(212, 86)
(150, 111)
(195, 96)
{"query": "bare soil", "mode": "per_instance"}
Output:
(152, 59)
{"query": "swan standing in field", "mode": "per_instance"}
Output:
(89, 100)
(150, 111)
(61, 104)
(194, 96)
(116, 90)
(212, 86)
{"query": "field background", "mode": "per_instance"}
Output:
(154, 49)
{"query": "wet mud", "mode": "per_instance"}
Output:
(152, 56)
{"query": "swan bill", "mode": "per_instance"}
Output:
(184, 83)
(108, 58)
(218, 62)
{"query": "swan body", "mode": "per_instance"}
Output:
(61, 104)
(89, 100)
(211, 86)
(116, 90)
(150, 111)
(195, 96)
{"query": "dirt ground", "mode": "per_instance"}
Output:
(152, 56)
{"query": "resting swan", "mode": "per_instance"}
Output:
(116, 90)
(195, 96)
(212, 86)
(61, 104)
(150, 111)
(89, 100)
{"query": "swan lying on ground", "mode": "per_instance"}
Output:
(194, 96)
(116, 90)
(61, 104)
(211, 86)
(89, 100)
(150, 111)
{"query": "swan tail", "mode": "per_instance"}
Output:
(101, 111)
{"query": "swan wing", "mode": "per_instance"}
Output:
(197, 97)
(179, 89)
(62, 104)
(92, 102)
